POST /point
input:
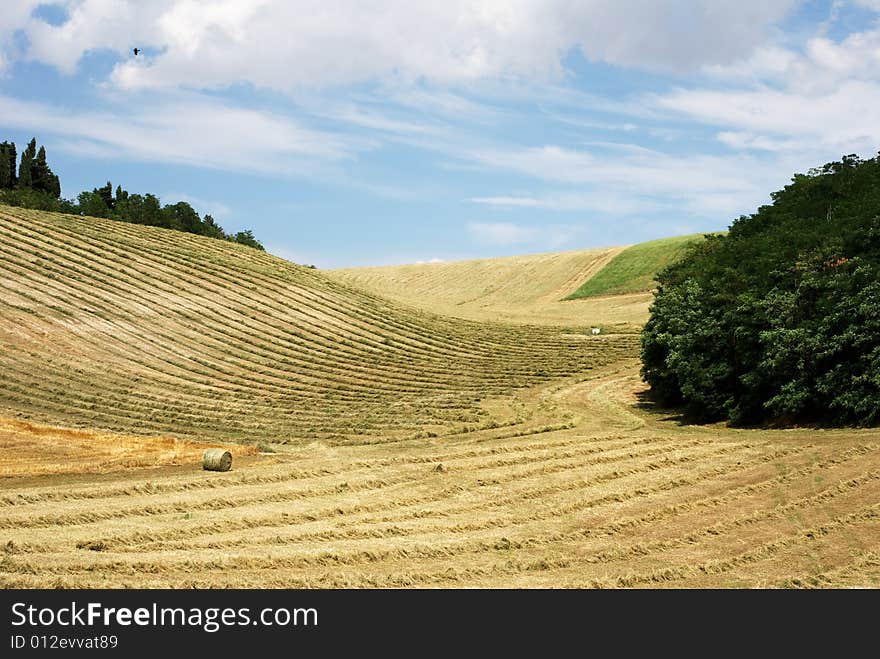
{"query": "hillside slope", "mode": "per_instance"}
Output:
(522, 289)
(634, 269)
(141, 330)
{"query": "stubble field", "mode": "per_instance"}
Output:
(378, 445)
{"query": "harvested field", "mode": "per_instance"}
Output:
(624, 498)
(411, 449)
(514, 289)
(141, 330)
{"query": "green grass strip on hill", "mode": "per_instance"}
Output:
(634, 269)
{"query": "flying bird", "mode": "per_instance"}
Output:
(136, 51)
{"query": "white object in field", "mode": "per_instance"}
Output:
(596, 330)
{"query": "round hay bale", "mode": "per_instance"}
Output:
(217, 459)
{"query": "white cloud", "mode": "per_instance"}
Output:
(373, 120)
(284, 45)
(823, 102)
(745, 140)
(582, 122)
(780, 112)
(596, 201)
(770, 61)
(521, 202)
(642, 171)
(117, 25)
(642, 180)
(806, 106)
(14, 16)
(445, 104)
(189, 131)
(674, 35)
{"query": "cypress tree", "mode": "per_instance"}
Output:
(42, 177)
(25, 179)
(40, 171)
(7, 174)
(12, 159)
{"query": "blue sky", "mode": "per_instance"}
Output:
(354, 133)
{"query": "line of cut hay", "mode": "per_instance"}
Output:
(217, 459)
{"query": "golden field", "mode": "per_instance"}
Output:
(514, 289)
(378, 443)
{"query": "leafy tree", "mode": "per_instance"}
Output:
(92, 204)
(246, 237)
(182, 216)
(212, 229)
(37, 199)
(151, 212)
(106, 194)
(779, 320)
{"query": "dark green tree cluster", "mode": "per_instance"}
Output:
(146, 209)
(779, 320)
(33, 171)
(34, 185)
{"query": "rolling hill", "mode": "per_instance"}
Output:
(515, 289)
(608, 286)
(633, 270)
(143, 330)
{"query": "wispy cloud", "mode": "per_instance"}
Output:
(597, 201)
(704, 184)
(193, 131)
(520, 202)
(505, 234)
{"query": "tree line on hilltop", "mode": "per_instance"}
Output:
(30, 183)
(779, 320)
